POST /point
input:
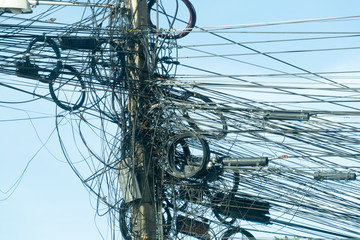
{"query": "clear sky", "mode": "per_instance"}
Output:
(48, 201)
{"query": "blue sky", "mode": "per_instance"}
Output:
(50, 202)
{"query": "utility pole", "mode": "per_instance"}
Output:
(143, 214)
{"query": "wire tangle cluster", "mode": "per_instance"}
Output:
(241, 154)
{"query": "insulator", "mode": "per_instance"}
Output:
(321, 176)
(245, 162)
(286, 115)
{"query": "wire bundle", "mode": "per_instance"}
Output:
(305, 123)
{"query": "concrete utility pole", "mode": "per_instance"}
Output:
(143, 214)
